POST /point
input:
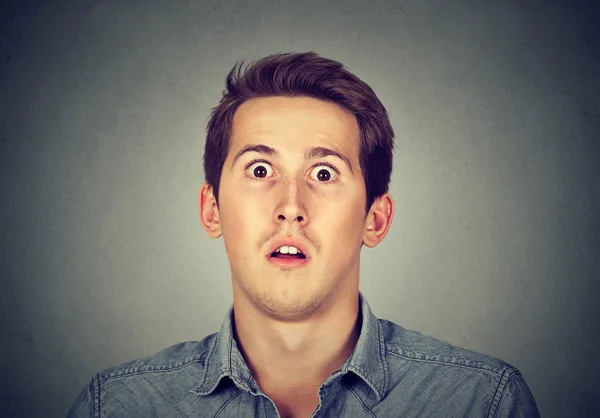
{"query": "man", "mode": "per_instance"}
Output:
(298, 160)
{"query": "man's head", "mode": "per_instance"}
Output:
(299, 150)
(305, 75)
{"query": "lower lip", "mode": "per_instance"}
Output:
(287, 263)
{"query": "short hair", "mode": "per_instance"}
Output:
(304, 75)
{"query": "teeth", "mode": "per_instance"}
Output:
(288, 249)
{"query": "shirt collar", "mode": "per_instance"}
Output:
(367, 360)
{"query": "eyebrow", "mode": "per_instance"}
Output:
(312, 153)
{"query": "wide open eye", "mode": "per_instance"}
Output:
(260, 170)
(323, 173)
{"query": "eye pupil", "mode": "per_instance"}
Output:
(323, 175)
(260, 171)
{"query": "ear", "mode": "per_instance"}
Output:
(209, 211)
(379, 220)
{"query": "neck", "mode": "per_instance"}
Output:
(298, 353)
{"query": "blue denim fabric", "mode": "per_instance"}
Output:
(393, 372)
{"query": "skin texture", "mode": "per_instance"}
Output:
(294, 326)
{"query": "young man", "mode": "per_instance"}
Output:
(298, 160)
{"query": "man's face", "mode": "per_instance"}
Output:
(287, 193)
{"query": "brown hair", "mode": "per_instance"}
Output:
(308, 75)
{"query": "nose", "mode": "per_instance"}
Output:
(291, 206)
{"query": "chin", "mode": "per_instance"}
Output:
(289, 307)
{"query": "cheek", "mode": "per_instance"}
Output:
(341, 223)
(242, 223)
(351, 225)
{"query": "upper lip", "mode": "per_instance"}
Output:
(296, 242)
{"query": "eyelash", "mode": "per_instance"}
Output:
(324, 183)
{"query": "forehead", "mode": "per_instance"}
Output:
(289, 121)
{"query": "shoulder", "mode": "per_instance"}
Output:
(434, 373)
(163, 381)
(413, 346)
(173, 358)
(135, 385)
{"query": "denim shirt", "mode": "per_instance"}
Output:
(392, 372)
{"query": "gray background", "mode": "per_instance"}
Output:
(495, 243)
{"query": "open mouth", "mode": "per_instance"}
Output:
(288, 257)
(298, 256)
